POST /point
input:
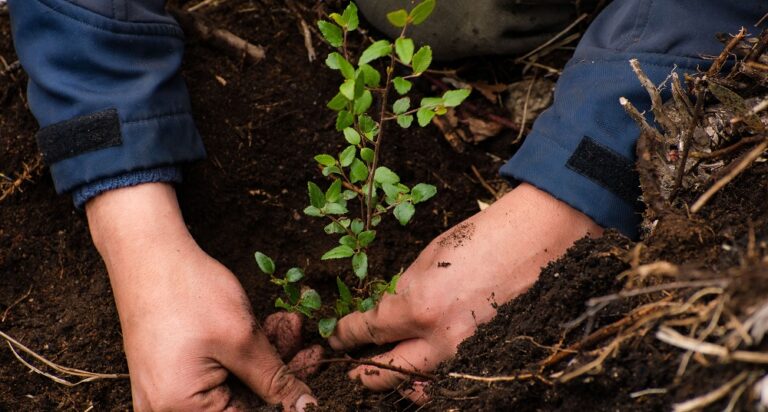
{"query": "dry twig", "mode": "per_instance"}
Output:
(711, 397)
(220, 38)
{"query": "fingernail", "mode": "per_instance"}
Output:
(303, 401)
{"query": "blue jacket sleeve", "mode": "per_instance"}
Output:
(106, 89)
(582, 149)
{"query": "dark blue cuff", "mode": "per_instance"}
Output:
(87, 192)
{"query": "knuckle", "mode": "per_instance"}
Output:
(281, 383)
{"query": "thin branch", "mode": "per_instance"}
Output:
(711, 397)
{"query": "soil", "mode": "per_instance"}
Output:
(262, 123)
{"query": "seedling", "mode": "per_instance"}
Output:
(356, 172)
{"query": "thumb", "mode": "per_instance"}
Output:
(258, 365)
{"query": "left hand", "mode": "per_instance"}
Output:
(451, 287)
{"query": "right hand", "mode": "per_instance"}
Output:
(186, 320)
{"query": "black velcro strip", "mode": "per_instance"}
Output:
(80, 135)
(607, 168)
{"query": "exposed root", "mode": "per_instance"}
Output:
(220, 38)
(711, 397)
(9, 186)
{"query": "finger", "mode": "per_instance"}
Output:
(283, 329)
(258, 365)
(306, 362)
(413, 355)
(416, 392)
(388, 322)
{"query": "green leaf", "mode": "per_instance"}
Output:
(358, 171)
(422, 11)
(316, 195)
(294, 275)
(338, 103)
(331, 32)
(310, 299)
(342, 308)
(339, 252)
(351, 136)
(359, 84)
(293, 293)
(279, 303)
(312, 211)
(375, 220)
(304, 311)
(364, 102)
(366, 305)
(398, 18)
(348, 194)
(344, 293)
(405, 121)
(329, 170)
(453, 98)
(425, 116)
(367, 124)
(392, 288)
(333, 194)
(385, 175)
(360, 265)
(338, 19)
(367, 154)
(392, 192)
(347, 89)
(348, 240)
(334, 228)
(335, 209)
(266, 264)
(404, 48)
(401, 85)
(344, 120)
(404, 212)
(423, 192)
(326, 327)
(347, 156)
(350, 16)
(337, 62)
(431, 102)
(372, 76)
(375, 51)
(422, 59)
(357, 226)
(365, 238)
(325, 160)
(401, 105)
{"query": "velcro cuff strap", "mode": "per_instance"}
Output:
(80, 135)
(607, 168)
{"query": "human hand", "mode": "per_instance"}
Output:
(187, 323)
(453, 285)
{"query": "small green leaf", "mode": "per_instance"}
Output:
(316, 195)
(375, 51)
(422, 59)
(344, 120)
(401, 85)
(325, 160)
(375, 220)
(331, 32)
(392, 288)
(392, 192)
(348, 194)
(326, 327)
(265, 263)
(404, 48)
(347, 89)
(335, 209)
(310, 299)
(312, 211)
(421, 12)
(367, 154)
(366, 305)
(338, 103)
(423, 192)
(347, 156)
(358, 171)
(359, 84)
(425, 116)
(342, 308)
(293, 293)
(357, 226)
(431, 102)
(365, 238)
(338, 19)
(351, 136)
(405, 121)
(367, 124)
(372, 76)
(334, 228)
(360, 265)
(404, 212)
(350, 16)
(339, 252)
(337, 62)
(329, 170)
(344, 293)
(333, 194)
(364, 102)
(294, 275)
(401, 105)
(385, 175)
(279, 303)
(453, 98)
(398, 18)
(348, 240)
